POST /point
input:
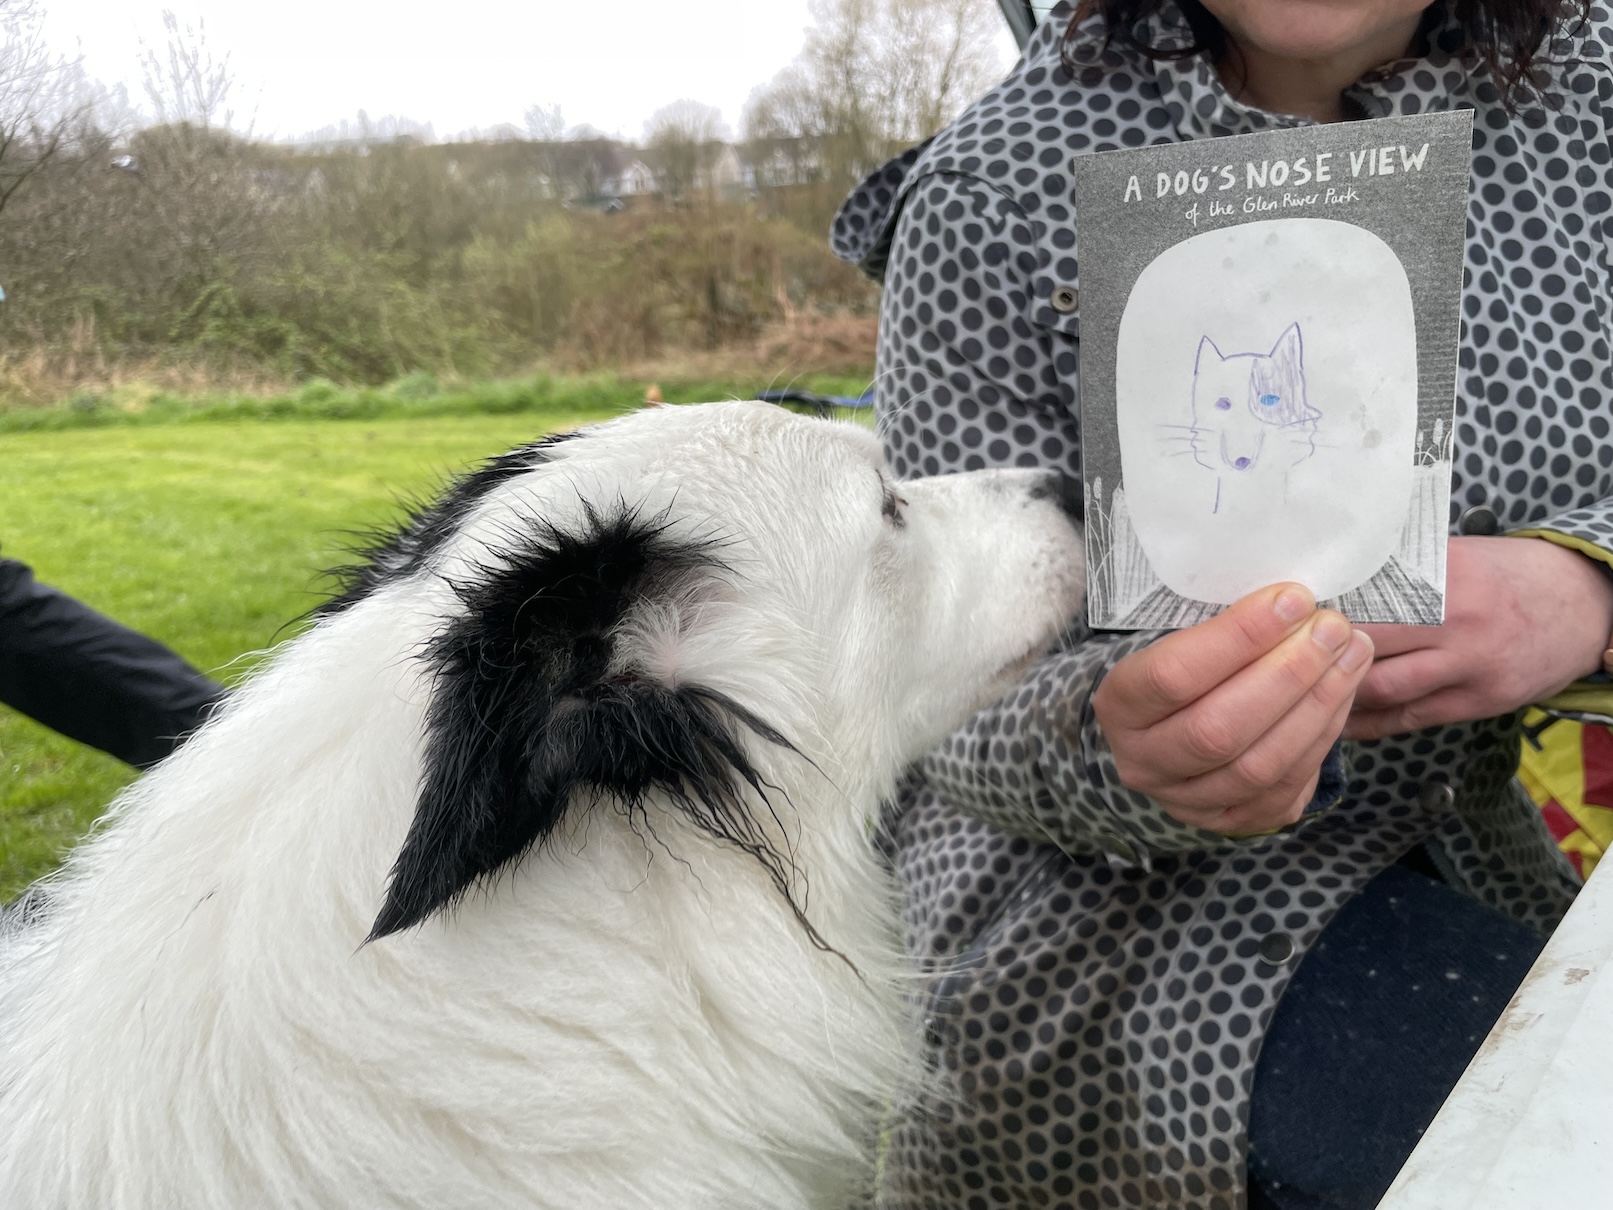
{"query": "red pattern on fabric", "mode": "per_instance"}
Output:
(1558, 821)
(1596, 750)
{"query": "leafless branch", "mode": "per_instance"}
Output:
(41, 97)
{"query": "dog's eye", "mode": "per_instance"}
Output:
(892, 507)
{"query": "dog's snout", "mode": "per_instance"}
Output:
(1066, 490)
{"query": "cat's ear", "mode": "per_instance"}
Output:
(1206, 343)
(1290, 346)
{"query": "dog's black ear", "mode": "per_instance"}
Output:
(525, 710)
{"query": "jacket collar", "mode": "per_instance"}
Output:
(1204, 108)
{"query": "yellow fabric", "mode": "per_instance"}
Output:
(1554, 775)
(1583, 697)
(1589, 549)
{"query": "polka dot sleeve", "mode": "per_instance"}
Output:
(1588, 530)
(967, 382)
(1037, 764)
(965, 379)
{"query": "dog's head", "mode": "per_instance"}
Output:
(669, 601)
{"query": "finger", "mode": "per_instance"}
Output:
(1159, 680)
(1447, 706)
(1249, 821)
(1284, 807)
(1400, 679)
(1397, 640)
(1221, 726)
(1301, 738)
(1285, 802)
(1279, 807)
(1266, 774)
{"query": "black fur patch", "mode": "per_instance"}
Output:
(397, 552)
(525, 711)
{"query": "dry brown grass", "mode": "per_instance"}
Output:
(807, 343)
(46, 377)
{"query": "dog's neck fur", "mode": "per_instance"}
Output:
(293, 1062)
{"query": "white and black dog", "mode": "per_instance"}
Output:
(538, 872)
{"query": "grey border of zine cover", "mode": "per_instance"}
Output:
(1420, 214)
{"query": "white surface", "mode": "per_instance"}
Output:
(1331, 520)
(1530, 1125)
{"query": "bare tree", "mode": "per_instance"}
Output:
(546, 127)
(545, 123)
(363, 131)
(685, 139)
(184, 81)
(940, 56)
(42, 97)
(875, 76)
(783, 131)
(204, 185)
(108, 109)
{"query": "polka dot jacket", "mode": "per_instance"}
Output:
(1099, 975)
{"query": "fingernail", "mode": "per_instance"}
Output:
(1331, 631)
(1293, 604)
(1357, 653)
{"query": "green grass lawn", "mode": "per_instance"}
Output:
(208, 537)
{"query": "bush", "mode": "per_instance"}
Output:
(368, 266)
(603, 289)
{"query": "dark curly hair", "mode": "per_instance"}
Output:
(1507, 37)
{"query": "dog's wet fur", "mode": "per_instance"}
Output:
(539, 871)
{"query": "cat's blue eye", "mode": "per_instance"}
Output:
(1270, 401)
(1224, 404)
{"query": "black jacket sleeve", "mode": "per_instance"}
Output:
(80, 673)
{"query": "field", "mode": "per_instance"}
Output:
(208, 536)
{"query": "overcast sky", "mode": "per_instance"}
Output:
(304, 64)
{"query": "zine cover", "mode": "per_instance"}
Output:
(1269, 329)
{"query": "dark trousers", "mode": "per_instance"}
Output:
(1379, 1023)
(93, 680)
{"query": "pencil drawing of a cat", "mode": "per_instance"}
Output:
(1251, 417)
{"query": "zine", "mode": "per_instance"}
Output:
(1269, 328)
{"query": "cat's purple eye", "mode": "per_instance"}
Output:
(1224, 404)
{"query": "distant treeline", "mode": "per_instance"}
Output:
(163, 238)
(361, 264)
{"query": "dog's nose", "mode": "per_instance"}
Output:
(1066, 489)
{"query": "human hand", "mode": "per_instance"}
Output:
(1524, 618)
(1226, 723)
